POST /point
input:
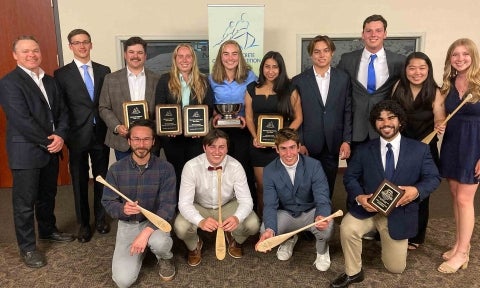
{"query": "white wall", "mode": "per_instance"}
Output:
(440, 21)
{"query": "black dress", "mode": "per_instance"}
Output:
(261, 104)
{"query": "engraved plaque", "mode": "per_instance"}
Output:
(267, 128)
(169, 121)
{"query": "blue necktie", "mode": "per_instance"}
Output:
(389, 163)
(88, 81)
(371, 82)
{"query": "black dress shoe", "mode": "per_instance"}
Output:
(344, 280)
(84, 234)
(58, 237)
(102, 227)
(33, 259)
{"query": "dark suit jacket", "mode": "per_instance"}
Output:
(30, 119)
(325, 123)
(415, 167)
(115, 92)
(309, 191)
(163, 95)
(362, 101)
(82, 109)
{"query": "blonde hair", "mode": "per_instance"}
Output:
(218, 71)
(197, 83)
(473, 72)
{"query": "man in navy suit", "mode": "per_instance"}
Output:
(412, 170)
(37, 123)
(387, 66)
(86, 136)
(326, 131)
(295, 194)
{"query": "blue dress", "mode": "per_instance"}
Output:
(461, 143)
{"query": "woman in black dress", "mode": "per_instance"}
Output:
(418, 93)
(272, 94)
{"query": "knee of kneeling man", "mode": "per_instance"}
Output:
(123, 280)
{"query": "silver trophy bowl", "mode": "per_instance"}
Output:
(228, 110)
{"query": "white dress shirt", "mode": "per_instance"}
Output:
(136, 84)
(199, 185)
(395, 148)
(323, 83)
(380, 65)
(80, 69)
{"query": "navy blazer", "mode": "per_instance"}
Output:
(30, 118)
(325, 123)
(362, 101)
(310, 190)
(82, 109)
(415, 167)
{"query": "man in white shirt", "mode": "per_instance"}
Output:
(132, 83)
(199, 199)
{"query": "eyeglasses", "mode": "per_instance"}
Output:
(77, 43)
(138, 140)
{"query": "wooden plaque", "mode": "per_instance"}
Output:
(267, 127)
(386, 197)
(195, 120)
(168, 119)
(134, 110)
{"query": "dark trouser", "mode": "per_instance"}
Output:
(330, 166)
(79, 170)
(178, 150)
(239, 149)
(33, 193)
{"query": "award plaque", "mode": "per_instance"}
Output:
(169, 121)
(267, 128)
(386, 197)
(195, 120)
(134, 110)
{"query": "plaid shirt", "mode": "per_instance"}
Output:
(153, 187)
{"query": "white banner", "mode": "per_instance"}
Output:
(242, 23)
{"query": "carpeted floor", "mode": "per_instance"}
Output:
(89, 265)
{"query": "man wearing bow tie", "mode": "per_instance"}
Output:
(199, 199)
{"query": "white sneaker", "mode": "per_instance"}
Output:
(323, 261)
(285, 250)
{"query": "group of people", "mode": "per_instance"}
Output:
(372, 110)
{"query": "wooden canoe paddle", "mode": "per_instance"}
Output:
(272, 242)
(430, 136)
(220, 247)
(156, 220)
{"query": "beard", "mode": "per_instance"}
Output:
(141, 153)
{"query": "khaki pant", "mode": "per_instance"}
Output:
(394, 252)
(187, 231)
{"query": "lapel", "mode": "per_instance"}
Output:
(357, 58)
(149, 86)
(376, 156)
(96, 81)
(313, 86)
(124, 89)
(77, 78)
(34, 87)
(299, 174)
(284, 177)
(332, 88)
(401, 157)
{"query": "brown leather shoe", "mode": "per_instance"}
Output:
(234, 249)
(195, 256)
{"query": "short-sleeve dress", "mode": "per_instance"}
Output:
(460, 149)
(261, 104)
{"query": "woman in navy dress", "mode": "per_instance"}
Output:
(460, 151)
(272, 94)
(420, 97)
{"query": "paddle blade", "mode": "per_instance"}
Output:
(429, 137)
(268, 244)
(220, 247)
(156, 220)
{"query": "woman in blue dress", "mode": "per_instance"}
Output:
(460, 151)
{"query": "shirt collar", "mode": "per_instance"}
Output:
(32, 74)
(395, 142)
(131, 74)
(327, 73)
(80, 64)
(294, 166)
(380, 53)
(207, 164)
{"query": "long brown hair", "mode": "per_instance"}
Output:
(197, 83)
(218, 71)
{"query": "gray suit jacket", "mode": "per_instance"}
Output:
(114, 93)
(362, 101)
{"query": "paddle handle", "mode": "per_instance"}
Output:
(105, 183)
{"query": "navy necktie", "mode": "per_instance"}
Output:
(88, 80)
(389, 163)
(371, 82)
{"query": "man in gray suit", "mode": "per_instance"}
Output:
(132, 83)
(387, 68)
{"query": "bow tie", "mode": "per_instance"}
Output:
(210, 168)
